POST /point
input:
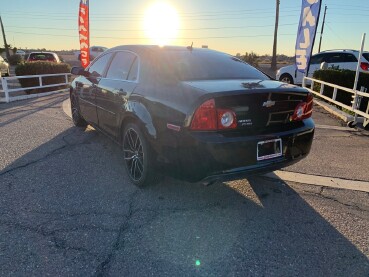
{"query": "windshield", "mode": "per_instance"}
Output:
(204, 65)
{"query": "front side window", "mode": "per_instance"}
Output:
(120, 66)
(316, 59)
(98, 67)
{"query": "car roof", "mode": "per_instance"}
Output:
(155, 48)
(341, 50)
(42, 52)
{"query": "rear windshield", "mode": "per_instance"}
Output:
(366, 56)
(41, 57)
(204, 65)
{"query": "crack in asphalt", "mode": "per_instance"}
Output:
(53, 152)
(103, 268)
(39, 230)
(321, 195)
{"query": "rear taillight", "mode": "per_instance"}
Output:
(208, 118)
(364, 66)
(304, 109)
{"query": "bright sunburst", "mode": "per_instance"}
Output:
(161, 23)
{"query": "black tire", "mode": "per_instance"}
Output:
(286, 78)
(76, 116)
(138, 156)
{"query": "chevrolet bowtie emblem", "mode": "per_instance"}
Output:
(269, 104)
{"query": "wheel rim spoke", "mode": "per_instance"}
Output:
(133, 154)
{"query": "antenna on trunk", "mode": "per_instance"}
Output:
(190, 47)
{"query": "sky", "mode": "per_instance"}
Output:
(233, 26)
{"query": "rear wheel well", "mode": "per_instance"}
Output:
(127, 120)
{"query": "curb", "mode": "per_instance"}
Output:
(337, 112)
(323, 181)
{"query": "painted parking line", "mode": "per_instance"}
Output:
(320, 180)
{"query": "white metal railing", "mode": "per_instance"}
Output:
(356, 96)
(7, 91)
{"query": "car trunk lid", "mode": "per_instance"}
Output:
(260, 106)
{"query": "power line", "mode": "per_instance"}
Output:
(137, 30)
(215, 13)
(137, 38)
(126, 19)
(342, 40)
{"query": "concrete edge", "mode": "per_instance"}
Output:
(323, 181)
(66, 108)
(337, 112)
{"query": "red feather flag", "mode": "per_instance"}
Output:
(84, 32)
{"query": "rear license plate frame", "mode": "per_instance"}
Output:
(269, 149)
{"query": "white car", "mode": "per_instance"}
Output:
(21, 53)
(94, 52)
(339, 59)
(43, 57)
(4, 67)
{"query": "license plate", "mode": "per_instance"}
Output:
(269, 149)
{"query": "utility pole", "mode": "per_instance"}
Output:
(274, 58)
(321, 32)
(5, 44)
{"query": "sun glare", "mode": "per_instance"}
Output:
(161, 23)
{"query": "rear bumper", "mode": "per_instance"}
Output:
(208, 156)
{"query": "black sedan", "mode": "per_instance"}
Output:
(195, 114)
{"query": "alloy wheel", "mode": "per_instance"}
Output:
(133, 154)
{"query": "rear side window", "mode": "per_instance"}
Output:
(334, 58)
(98, 67)
(350, 58)
(120, 66)
(366, 56)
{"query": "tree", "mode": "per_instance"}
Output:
(251, 58)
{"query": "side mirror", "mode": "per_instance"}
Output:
(78, 70)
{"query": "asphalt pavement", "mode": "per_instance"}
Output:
(67, 208)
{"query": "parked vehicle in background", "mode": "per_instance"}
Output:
(20, 53)
(339, 59)
(43, 56)
(94, 52)
(193, 113)
(4, 67)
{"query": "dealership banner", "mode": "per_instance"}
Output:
(310, 10)
(84, 32)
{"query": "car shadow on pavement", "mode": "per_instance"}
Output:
(26, 107)
(68, 208)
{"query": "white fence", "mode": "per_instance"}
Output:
(356, 97)
(6, 82)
